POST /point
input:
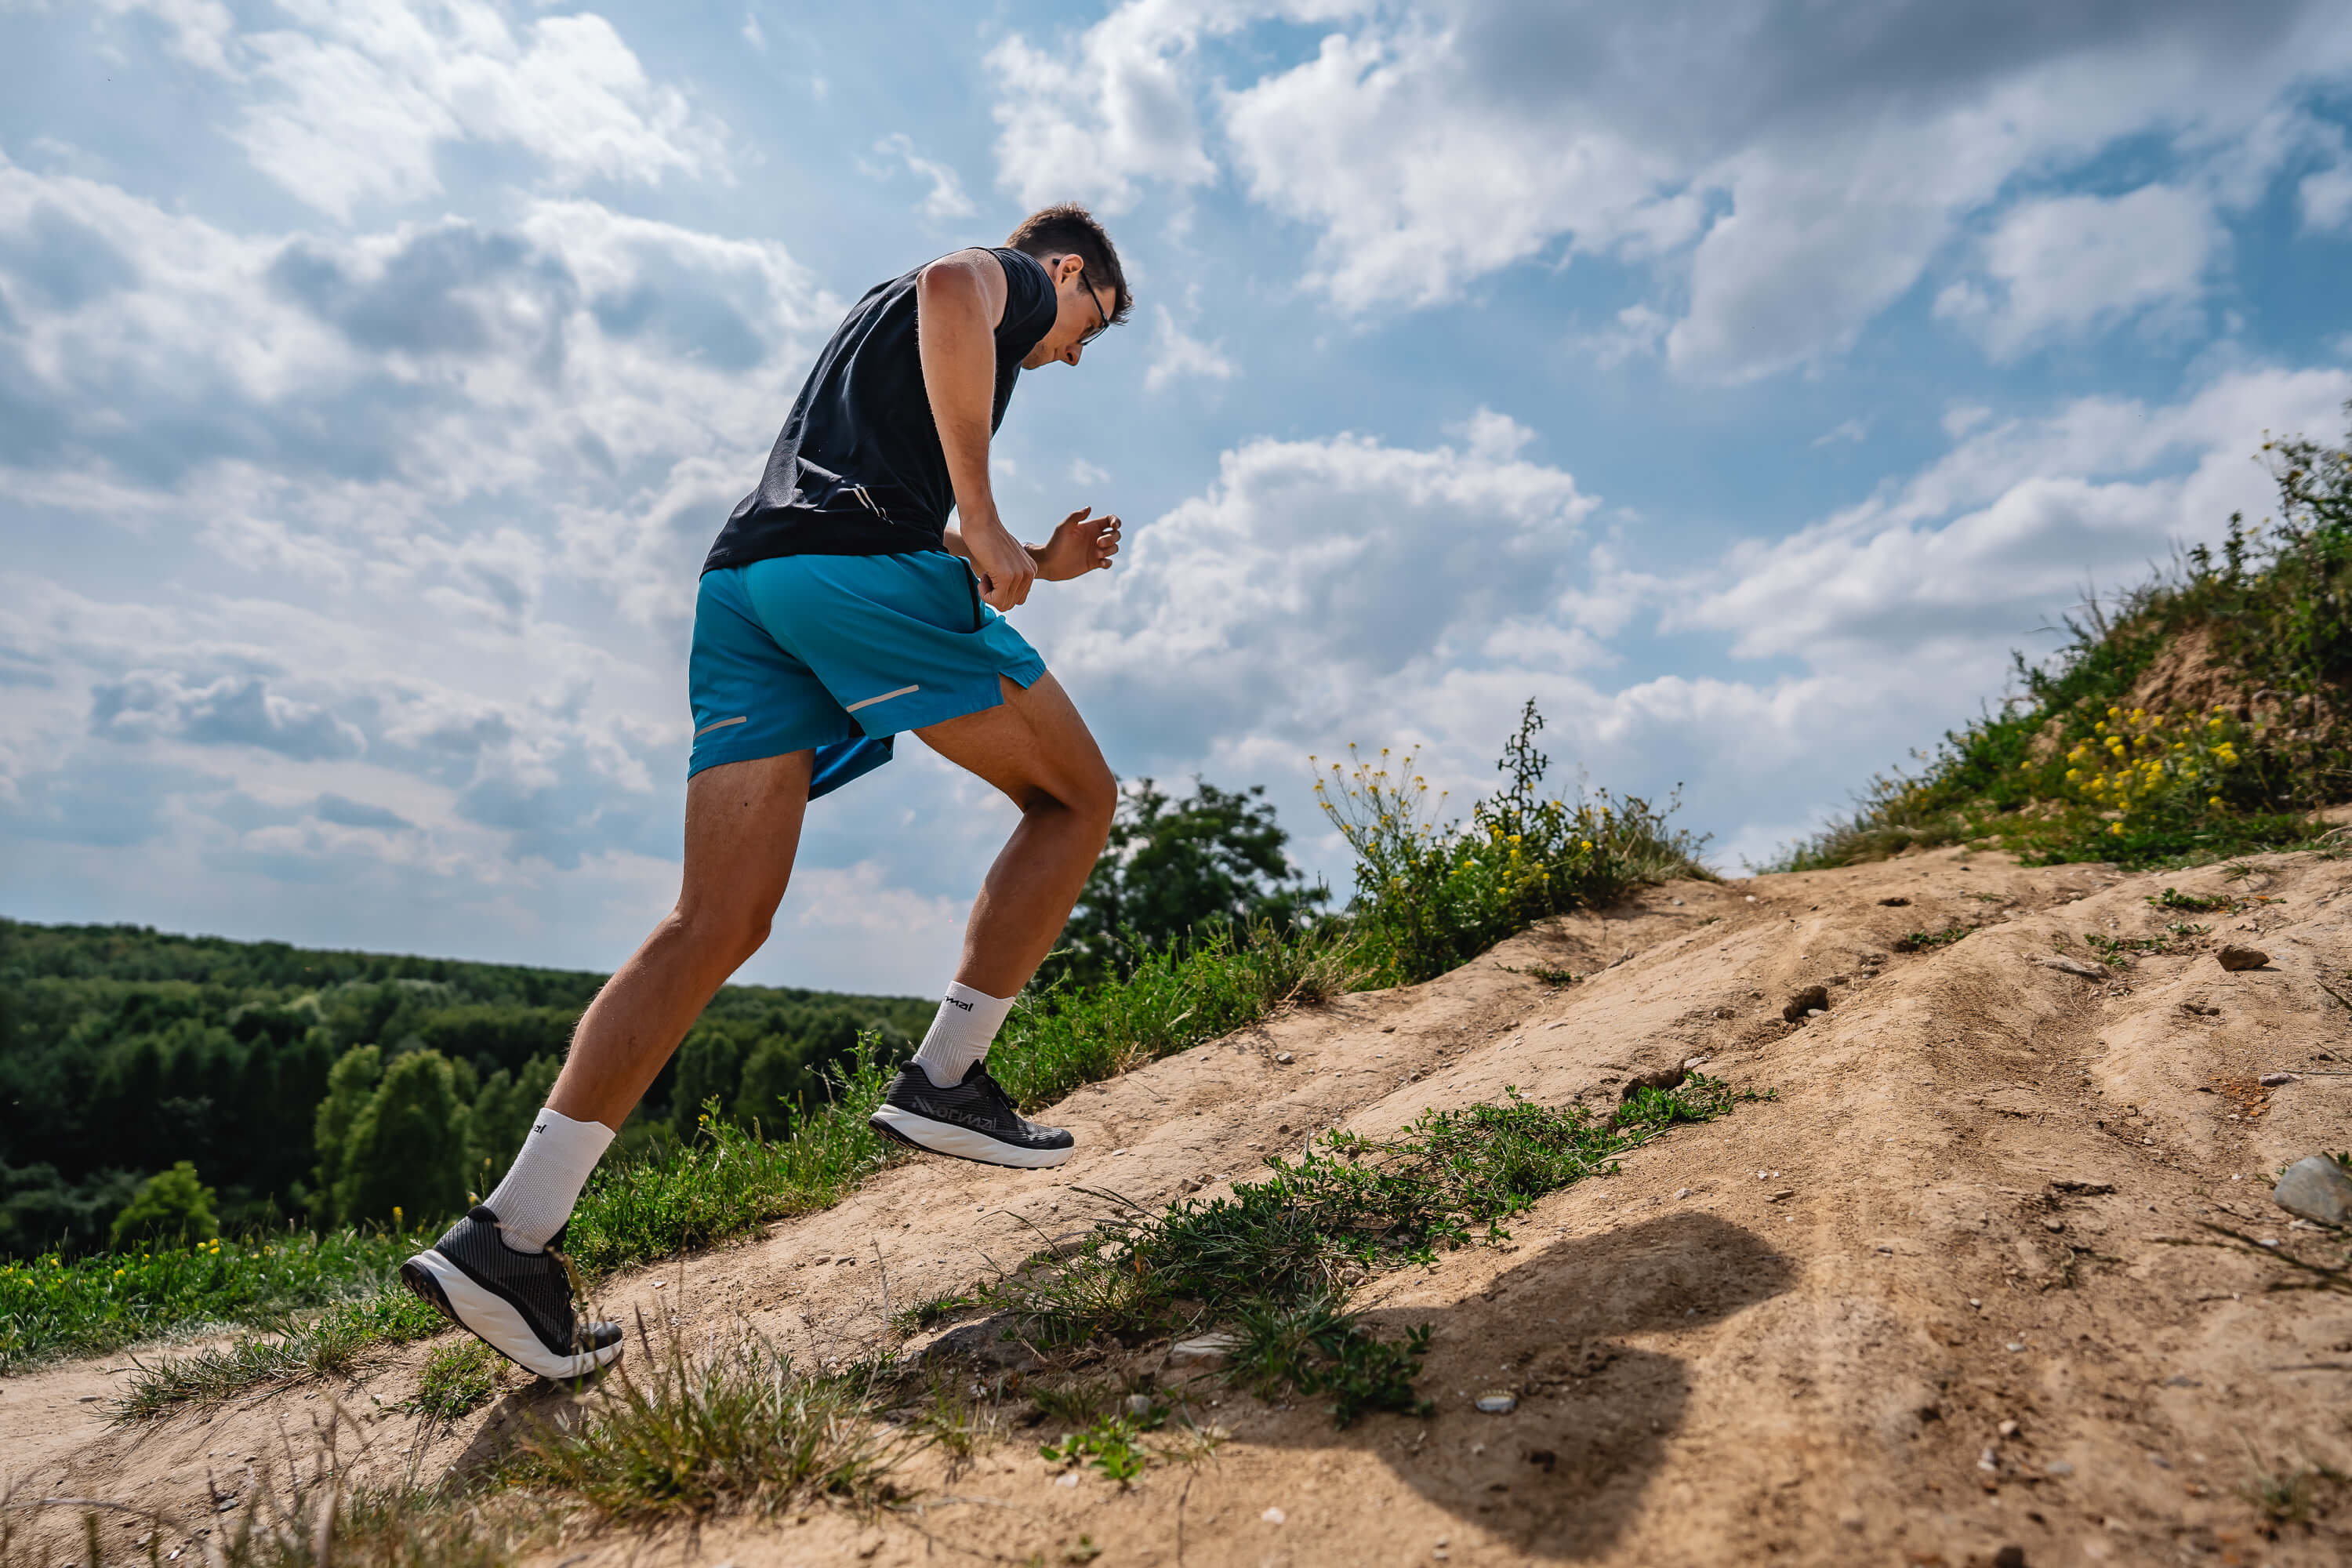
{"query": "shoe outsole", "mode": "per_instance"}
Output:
(961, 1143)
(492, 1319)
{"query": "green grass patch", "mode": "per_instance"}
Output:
(1923, 941)
(2173, 899)
(458, 1377)
(53, 1305)
(1559, 979)
(1278, 1257)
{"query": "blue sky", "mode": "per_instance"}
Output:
(1742, 381)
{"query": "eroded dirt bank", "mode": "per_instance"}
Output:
(1792, 1334)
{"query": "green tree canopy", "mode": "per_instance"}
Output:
(172, 1207)
(408, 1149)
(1175, 866)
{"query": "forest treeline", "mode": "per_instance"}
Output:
(324, 1087)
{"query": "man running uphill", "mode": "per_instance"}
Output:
(837, 609)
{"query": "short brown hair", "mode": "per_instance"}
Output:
(1066, 228)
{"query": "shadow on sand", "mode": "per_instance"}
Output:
(1562, 1475)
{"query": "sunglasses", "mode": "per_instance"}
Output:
(1103, 321)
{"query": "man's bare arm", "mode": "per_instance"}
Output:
(959, 301)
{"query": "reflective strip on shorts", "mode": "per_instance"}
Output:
(722, 724)
(884, 698)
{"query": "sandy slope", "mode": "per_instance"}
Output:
(1713, 1367)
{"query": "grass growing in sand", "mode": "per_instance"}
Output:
(729, 1180)
(332, 1343)
(458, 1377)
(734, 1428)
(1278, 1258)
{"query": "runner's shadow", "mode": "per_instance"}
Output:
(1563, 1474)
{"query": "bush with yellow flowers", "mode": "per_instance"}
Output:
(1432, 894)
(2138, 768)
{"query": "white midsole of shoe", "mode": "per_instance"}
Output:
(497, 1325)
(946, 1138)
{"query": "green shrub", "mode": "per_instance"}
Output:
(1432, 895)
(172, 1208)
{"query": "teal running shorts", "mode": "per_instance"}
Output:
(836, 654)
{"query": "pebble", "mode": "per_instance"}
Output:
(2317, 1188)
(2057, 1468)
(1138, 1405)
(2015, 1345)
(1272, 1516)
(1497, 1402)
(1783, 1195)
(2273, 1079)
(1283, 1057)
(1681, 1192)
(2008, 1429)
(1205, 1347)
(1067, 1478)
(2242, 957)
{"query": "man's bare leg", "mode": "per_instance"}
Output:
(742, 829)
(489, 1271)
(1037, 751)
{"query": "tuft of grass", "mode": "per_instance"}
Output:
(456, 1378)
(930, 1314)
(1559, 979)
(1922, 941)
(1109, 1444)
(734, 1428)
(375, 1528)
(2287, 1494)
(1317, 1346)
(1282, 1254)
(2174, 899)
(329, 1345)
(54, 1305)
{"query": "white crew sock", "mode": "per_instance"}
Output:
(545, 1179)
(968, 1020)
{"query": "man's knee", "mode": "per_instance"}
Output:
(1093, 797)
(737, 932)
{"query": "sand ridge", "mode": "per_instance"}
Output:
(1792, 1334)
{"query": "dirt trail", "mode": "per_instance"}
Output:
(1793, 1334)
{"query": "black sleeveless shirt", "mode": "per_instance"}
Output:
(858, 468)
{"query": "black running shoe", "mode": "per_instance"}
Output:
(973, 1120)
(518, 1304)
